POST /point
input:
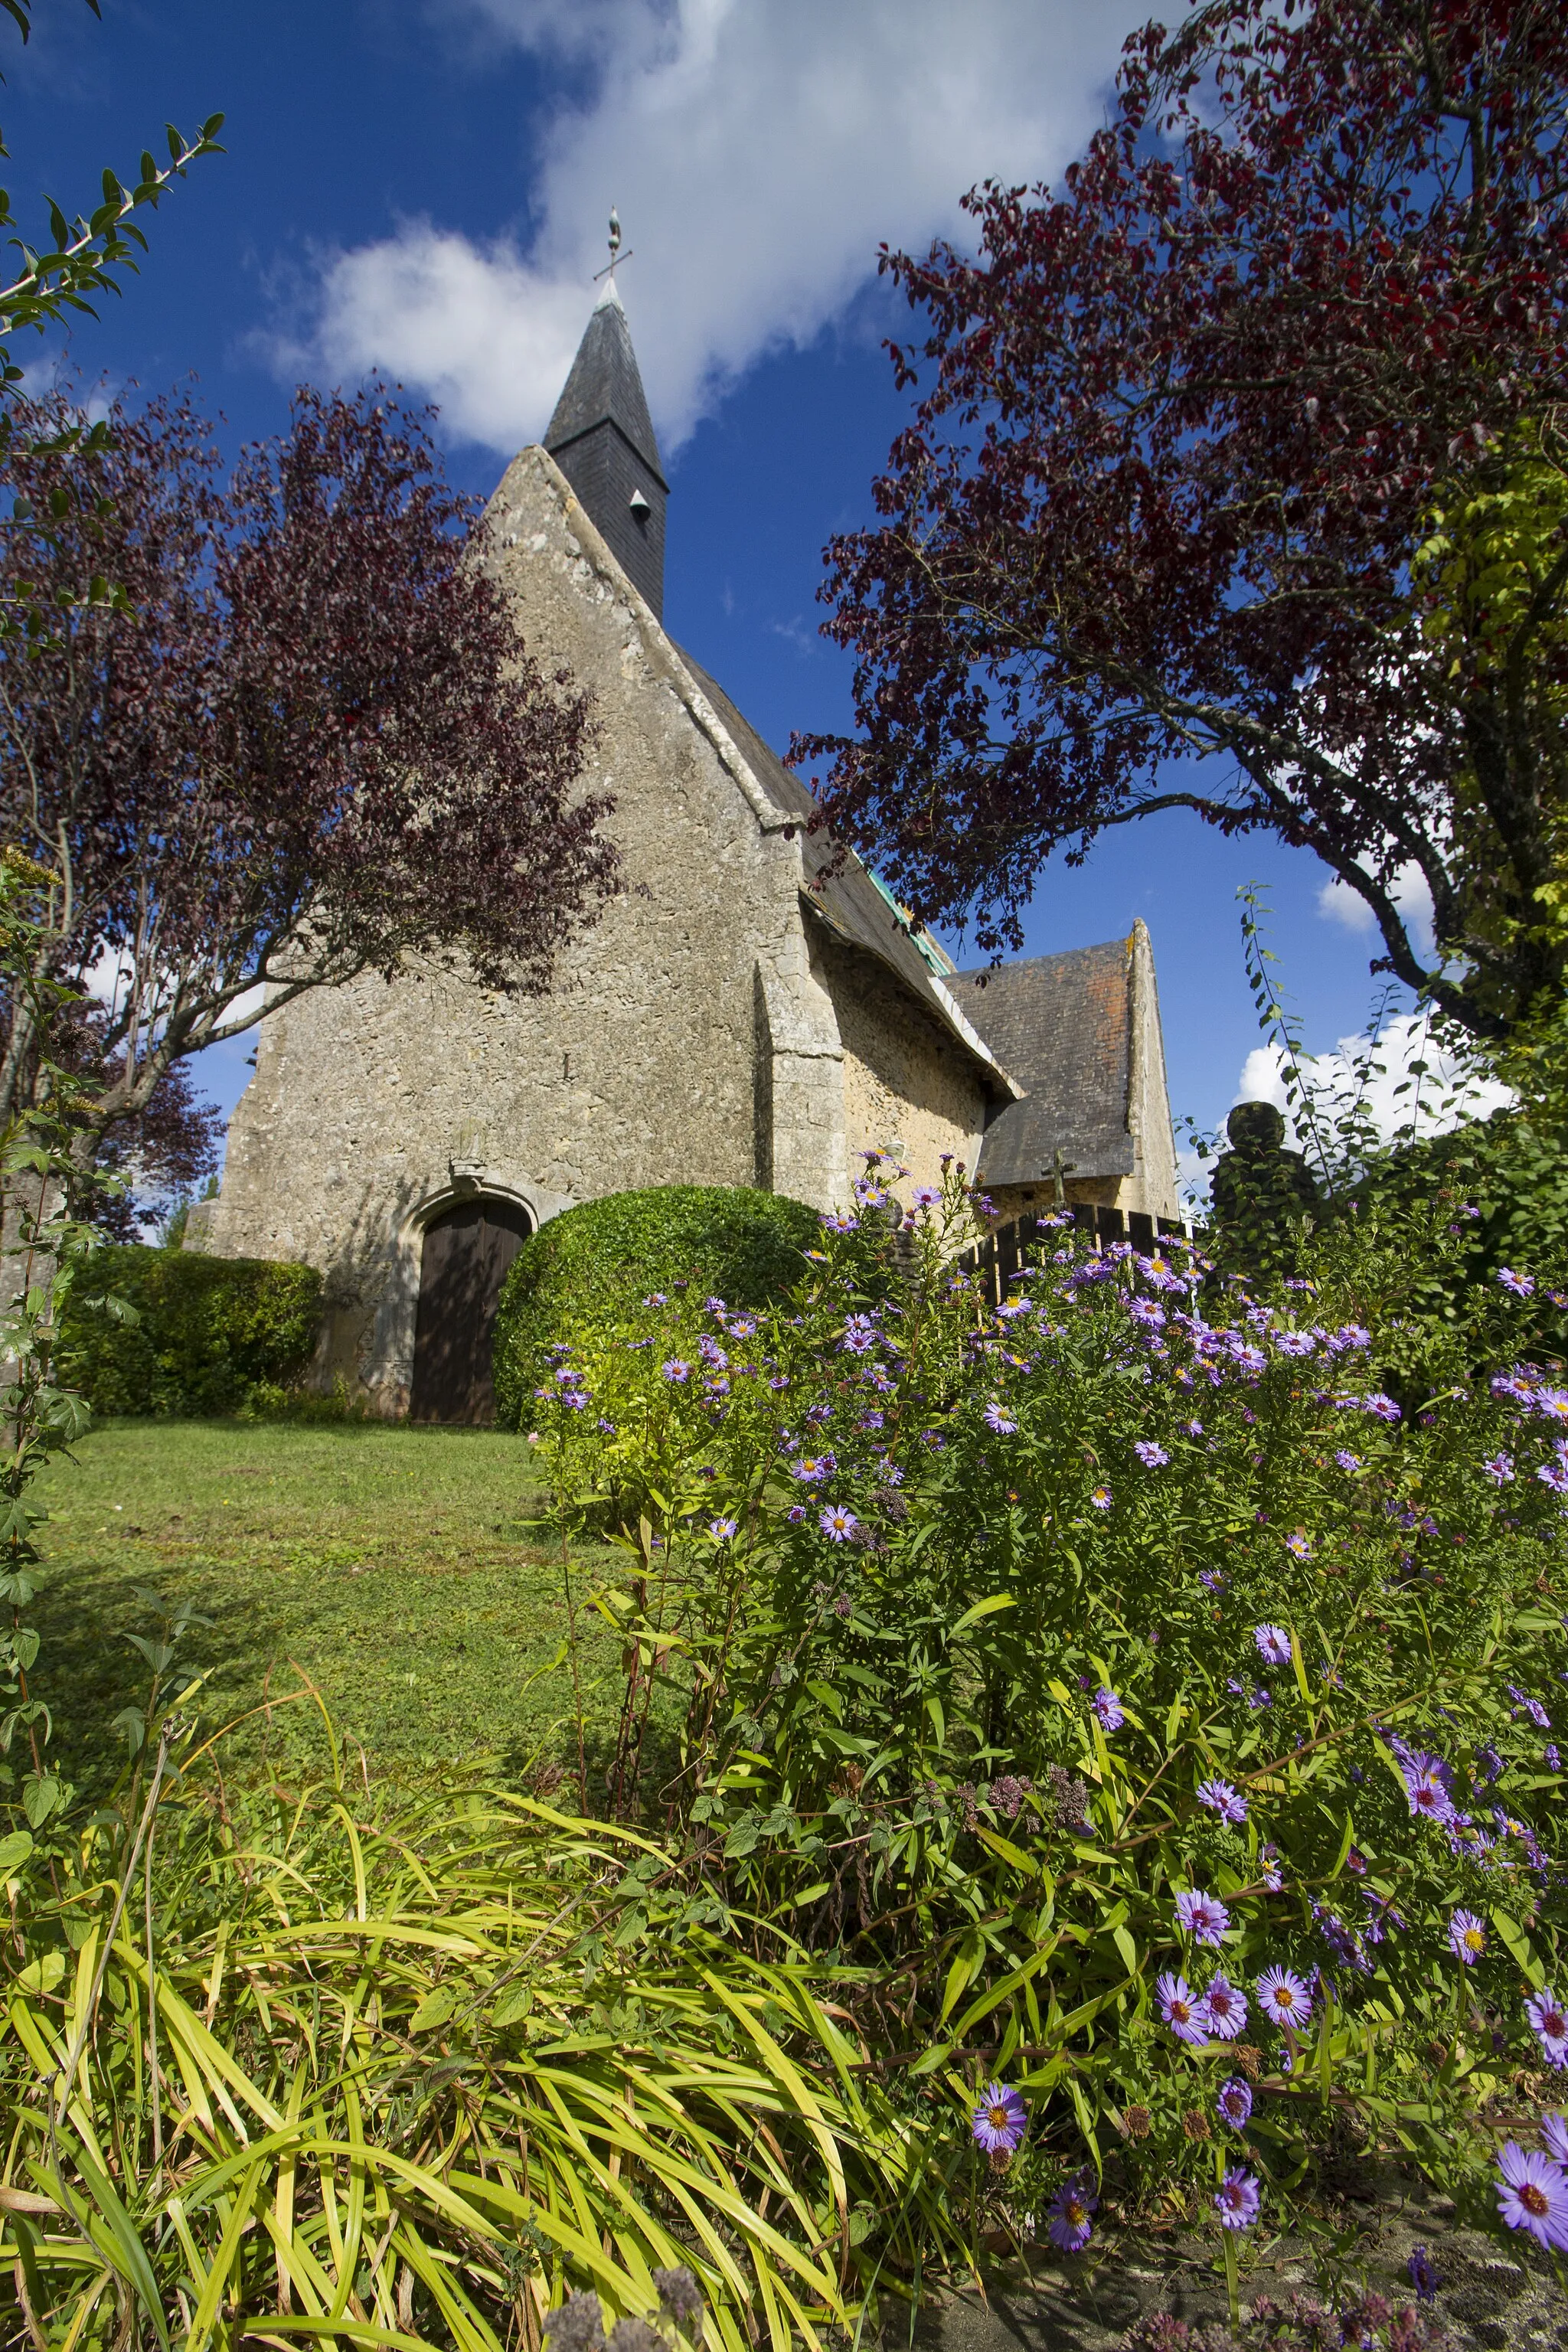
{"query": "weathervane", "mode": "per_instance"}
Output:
(615, 253)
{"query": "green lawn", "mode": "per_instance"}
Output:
(400, 1568)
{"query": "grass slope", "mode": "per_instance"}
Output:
(396, 1565)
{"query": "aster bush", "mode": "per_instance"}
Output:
(1147, 1685)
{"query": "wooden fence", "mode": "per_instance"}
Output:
(1000, 1256)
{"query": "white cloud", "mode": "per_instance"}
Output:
(1397, 1096)
(758, 150)
(1410, 894)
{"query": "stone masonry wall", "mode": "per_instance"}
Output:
(902, 1075)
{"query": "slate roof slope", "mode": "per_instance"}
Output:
(1062, 1026)
(604, 387)
(850, 903)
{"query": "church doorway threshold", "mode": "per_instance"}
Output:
(462, 1266)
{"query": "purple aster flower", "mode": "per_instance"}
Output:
(1226, 2006)
(1348, 1461)
(795, 1514)
(1283, 1996)
(1152, 1456)
(1533, 2194)
(1296, 1343)
(1549, 2023)
(1499, 1468)
(1222, 1799)
(1202, 1916)
(1000, 2120)
(1521, 1285)
(1069, 2227)
(1235, 2200)
(1234, 2103)
(1350, 1335)
(838, 1523)
(1423, 2273)
(722, 1529)
(1553, 1759)
(1213, 1579)
(1109, 1708)
(1001, 1422)
(674, 1369)
(1554, 2134)
(1383, 1406)
(1180, 2007)
(1273, 1877)
(1273, 1643)
(1298, 1544)
(1525, 1705)
(1426, 1786)
(1100, 1498)
(813, 1468)
(1552, 1404)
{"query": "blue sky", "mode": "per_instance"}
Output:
(423, 185)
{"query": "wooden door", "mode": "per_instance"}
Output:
(462, 1269)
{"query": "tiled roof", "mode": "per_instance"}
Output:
(850, 903)
(1060, 1026)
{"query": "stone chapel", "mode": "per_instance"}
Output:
(732, 1019)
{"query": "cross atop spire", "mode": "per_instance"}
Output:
(602, 437)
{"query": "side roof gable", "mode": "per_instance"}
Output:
(1063, 1026)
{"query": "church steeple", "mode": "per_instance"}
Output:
(602, 438)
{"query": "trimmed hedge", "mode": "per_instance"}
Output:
(211, 1331)
(588, 1266)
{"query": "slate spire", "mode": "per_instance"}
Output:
(602, 438)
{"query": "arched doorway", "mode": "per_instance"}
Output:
(463, 1263)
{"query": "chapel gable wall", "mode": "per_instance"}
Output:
(638, 1067)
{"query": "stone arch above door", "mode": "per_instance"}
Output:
(466, 1249)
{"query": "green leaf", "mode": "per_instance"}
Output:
(40, 1796)
(979, 1609)
(1518, 1944)
(14, 1852)
(435, 2009)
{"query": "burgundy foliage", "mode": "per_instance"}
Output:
(1147, 542)
(311, 745)
(163, 1153)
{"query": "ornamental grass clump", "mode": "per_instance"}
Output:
(1150, 1681)
(318, 2067)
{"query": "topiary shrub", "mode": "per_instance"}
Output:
(588, 1267)
(210, 1331)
